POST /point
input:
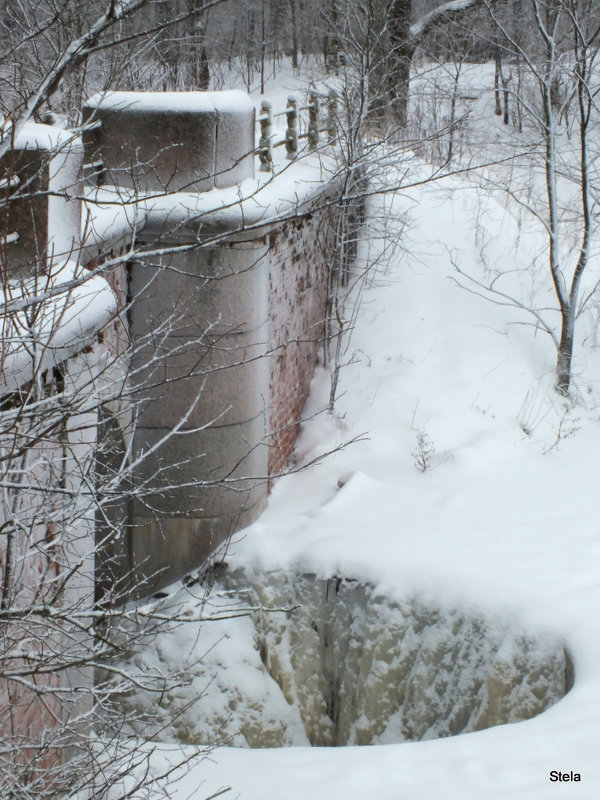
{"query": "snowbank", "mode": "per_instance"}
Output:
(502, 522)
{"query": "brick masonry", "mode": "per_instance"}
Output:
(46, 561)
(30, 566)
(301, 253)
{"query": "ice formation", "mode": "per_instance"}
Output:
(340, 664)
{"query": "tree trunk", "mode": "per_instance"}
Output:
(400, 85)
(200, 65)
(203, 71)
(332, 41)
(402, 49)
(497, 71)
(565, 352)
(294, 34)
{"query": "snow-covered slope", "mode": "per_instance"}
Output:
(474, 486)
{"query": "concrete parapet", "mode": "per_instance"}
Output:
(40, 189)
(200, 375)
(165, 142)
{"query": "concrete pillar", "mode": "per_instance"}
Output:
(200, 386)
(39, 229)
(165, 142)
(198, 325)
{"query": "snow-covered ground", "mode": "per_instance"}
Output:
(502, 519)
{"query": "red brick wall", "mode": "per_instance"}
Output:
(28, 570)
(300, 257)
(38, 526)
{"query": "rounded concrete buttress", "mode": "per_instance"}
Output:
(165, 142)
(200, 380)
(41, 222)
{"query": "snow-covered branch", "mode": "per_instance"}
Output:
(447, 12)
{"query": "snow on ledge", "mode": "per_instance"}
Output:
(37, 136)
(111, 218)
(252, 206)
(69, 311)
(114, 216)
(229, 101)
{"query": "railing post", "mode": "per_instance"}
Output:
(291, 134)
(313, 120)
(265, 153)
(332, 115)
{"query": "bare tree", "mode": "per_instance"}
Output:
(78, 462)
(560, 58)
(67, 492)
(67, 371)
(387, 29)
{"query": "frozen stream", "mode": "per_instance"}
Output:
(347, 666)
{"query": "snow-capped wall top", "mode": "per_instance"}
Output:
(36, 136)
(176, 102)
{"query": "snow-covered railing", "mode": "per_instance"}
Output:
(290, 141)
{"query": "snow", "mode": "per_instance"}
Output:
(253, 204)
(62, 314)
(37, 136)
(110, 221)
(451, 8)
(347, 666)
(503, 521)
(173, 102)
(113, 215)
